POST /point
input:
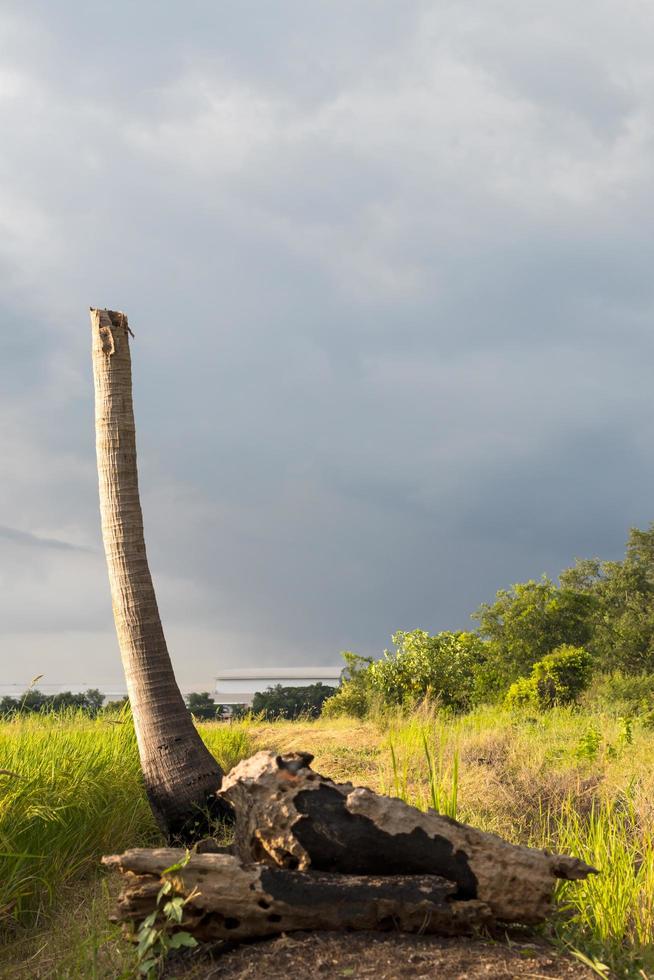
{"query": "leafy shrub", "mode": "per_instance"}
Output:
(354, 696)
(521, 694)
(440, 667)
(559, 678)
(350, 699)
(562, 675)
(589, 744)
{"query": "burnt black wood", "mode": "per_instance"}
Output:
(337, 840)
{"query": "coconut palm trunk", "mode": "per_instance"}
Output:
(181, 776)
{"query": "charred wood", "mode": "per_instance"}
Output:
(289, 816)
(232, 901)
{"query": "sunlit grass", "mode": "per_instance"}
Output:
(570, 780)
(76, 793)
(73, 791)
(611, 914)
(548, 785)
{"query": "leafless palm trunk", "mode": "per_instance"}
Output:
(181, 776)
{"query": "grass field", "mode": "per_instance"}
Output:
(568, 779)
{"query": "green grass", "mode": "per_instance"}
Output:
(567, 781)
(570, 780)
(74, 793)
(611, 915)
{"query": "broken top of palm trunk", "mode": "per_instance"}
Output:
(292, 817)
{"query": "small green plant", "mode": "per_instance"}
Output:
(442, 781)
(443, 799)
(626, 735)
(588, 746)
(155, 941)
(647, 720)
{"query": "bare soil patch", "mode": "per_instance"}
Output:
(384, 956)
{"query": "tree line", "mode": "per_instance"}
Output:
(33, 700)
(540, 642)
(274, 702)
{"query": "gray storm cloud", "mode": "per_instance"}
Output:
(388, 270)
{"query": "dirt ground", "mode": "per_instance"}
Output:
(384, 956)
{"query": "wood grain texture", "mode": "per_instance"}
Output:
(290, 816)
(233, 901)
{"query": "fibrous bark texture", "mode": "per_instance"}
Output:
(181, 776)
(230, 900)
(289, 816)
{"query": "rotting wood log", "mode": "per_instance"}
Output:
(232, 901)
(289, 816)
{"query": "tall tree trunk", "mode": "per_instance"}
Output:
(181, 776)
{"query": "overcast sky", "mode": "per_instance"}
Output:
(390, 270)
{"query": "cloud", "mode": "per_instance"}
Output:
(35, 541)
(388, 271)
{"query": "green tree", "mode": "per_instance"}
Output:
(623, 593)
(291, 702)
(525, 623)
(93, 700)
(202, 705)
(89, 701)
(8, 706)
(34, 700)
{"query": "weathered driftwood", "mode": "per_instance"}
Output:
(229, 900)
(291, 817)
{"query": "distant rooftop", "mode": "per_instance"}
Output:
(278, 673)
(239, 686)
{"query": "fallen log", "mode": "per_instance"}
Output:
(231, 901)
(291, 817)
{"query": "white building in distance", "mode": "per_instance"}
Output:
(240, 686)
